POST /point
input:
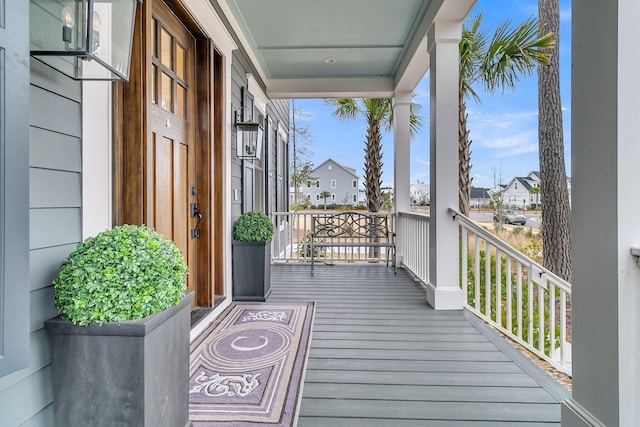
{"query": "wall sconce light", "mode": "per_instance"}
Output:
(249, 134)
(84, 39)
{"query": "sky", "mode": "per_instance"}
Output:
(503, 128)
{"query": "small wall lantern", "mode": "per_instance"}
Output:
(249, 134)
(84, 39)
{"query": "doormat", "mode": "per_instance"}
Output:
(247, 369)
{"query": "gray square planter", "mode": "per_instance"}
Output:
(251, 270)
(132, 373)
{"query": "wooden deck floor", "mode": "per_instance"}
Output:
(380, 356)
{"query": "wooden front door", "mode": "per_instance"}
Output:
(168, 151)
(171, 155)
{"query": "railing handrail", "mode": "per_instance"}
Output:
(416, 215)
(508, 249)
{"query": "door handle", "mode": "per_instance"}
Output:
(195, 213)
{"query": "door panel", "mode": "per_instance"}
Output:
(173, 162)
(168, 153)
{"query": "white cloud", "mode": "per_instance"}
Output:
(565, 14)
(421, 176)
(498, 141)
(503, 120)
(520, 149)
(504, 134)
(424, 162)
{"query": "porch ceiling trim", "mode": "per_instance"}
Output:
(204, 13)
(338, 48)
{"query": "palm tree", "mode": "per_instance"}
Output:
(324, 195)
(378, 112)
(497, 63)
(536, 191)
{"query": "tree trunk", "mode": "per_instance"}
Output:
(373, 165)
(553, 186)
(464, 156)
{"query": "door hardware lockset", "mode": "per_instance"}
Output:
(195, 213)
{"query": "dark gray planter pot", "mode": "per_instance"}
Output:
(132, 373)
(251, 270)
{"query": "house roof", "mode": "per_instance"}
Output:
(421, 187)
(524, 181)
(343, 48)
(352, 171)
(479, 193)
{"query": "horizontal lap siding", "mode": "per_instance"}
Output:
(278, 110)
(238, 80)
(55, 198)
(380, 356)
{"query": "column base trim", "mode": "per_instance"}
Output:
(441, 298)
(574, 414)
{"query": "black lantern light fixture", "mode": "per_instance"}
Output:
(84, 39)
(249, 133)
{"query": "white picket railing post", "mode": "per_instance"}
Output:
(545, 308)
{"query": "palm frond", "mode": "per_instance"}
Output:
(515, 52)
(472, 47)
(346, 108)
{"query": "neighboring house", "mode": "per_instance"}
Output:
(362, 196)
(419, 193)
(518, 192)
(341, 182)
(479, 197)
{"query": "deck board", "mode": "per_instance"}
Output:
(380, 356)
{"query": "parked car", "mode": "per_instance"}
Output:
(509, 217)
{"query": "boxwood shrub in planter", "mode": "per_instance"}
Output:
(120, 348)
(252, 234)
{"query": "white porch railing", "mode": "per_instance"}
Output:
(505, 288)
(413, 243)
(291, 240)
(516, 295)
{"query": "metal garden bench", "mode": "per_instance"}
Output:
(352, 229)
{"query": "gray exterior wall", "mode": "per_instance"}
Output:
(325, 173)
(265, 169)
(55, 203)
(278, 111)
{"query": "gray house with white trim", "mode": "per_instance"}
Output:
(339, 180)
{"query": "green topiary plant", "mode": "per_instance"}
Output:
(126, 273)
(253, 227)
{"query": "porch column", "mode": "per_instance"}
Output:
(401, 152)
(401, 161)
(605, 152)
(443, 289)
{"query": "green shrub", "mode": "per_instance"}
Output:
(126, 273)
(304, 248)
(253, 227)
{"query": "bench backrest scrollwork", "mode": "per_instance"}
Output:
(351, 225)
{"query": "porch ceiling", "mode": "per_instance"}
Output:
(311, 48)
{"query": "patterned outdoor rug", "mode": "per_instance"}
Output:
(247, 369)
